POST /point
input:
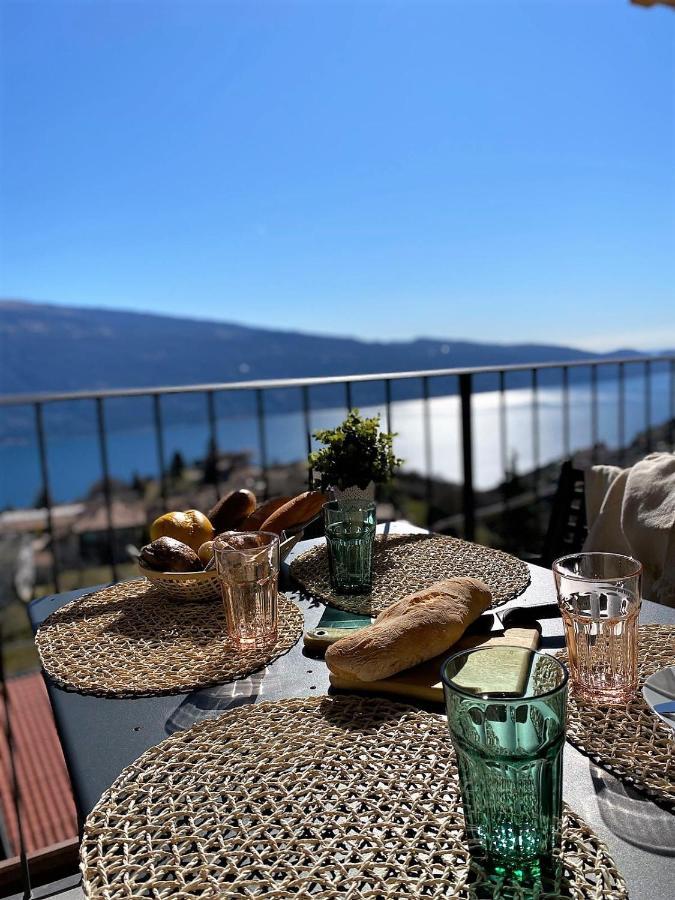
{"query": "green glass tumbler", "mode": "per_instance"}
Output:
(506, 713)
(350, 532)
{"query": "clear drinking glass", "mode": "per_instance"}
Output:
(506, 713)
(350, 532)
(599, 596)
(247, 564)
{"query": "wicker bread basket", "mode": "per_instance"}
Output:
(192, 587)
(199, 587)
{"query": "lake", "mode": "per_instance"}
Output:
(74, 462)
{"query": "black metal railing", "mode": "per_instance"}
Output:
(465, 378)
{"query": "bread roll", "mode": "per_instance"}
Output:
(231, 510)
(296, 512)
(166, 554)
(205, 552)
(410, 631)
(190, 527)
(264, 511)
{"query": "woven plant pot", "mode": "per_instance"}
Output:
(353, 494)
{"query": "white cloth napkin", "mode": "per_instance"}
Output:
(632, 511)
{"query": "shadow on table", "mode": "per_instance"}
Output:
(208, 703)
(305, 597)
(88, 606)
(632, 817)
(355, 713)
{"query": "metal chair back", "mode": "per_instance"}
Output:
(567, 527)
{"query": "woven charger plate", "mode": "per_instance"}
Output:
(404, 563)
(129, 640)
(630, 741)
(304, 798)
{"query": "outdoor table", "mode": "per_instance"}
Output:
(100, 736)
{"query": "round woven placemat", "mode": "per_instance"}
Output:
(129, 640)
(315, 798)
(630, 741)
(403, 563)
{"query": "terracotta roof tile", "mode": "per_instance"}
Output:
(48, 810)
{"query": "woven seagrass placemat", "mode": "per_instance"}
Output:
(630, 741)
(403, 563)
(129, 640)
(315, 798)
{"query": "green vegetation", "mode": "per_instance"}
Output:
(18, 648)
(355, 453)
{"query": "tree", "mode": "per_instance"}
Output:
(177, 466)
(211, 464)
(137, 484)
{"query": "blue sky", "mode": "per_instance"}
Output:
(488, 170)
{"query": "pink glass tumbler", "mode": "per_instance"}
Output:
(599, 596)
(247, 564)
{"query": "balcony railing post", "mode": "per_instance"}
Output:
(566, 410)
(47, 494)
(428, 458)
(621, 412)
(348, 397)
(159, 440)
(262, 440)
(213, 439)
(307, 419)
(387, 402)
(504, 452)
(648, 406)
(594, 413)
(534, 382)
(467, 457)
(107, 493)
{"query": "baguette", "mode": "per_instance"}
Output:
(296, 512)
(231, 510)
(263, 512)
(410, 631)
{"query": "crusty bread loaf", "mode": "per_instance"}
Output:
(231, 510)
(264, 511)
(410, 631)
(296, 512)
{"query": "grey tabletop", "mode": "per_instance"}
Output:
(101, 736)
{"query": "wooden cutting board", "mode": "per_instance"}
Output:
(423, 682)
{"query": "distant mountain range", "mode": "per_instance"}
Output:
(56, 348)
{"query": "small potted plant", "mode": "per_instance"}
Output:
(355, 457)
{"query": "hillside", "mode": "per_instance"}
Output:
(56, 348)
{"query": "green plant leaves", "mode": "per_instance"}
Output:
(355, 453)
